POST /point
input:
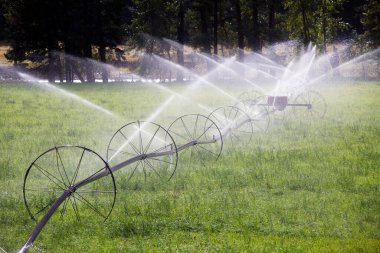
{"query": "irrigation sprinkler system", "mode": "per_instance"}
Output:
(79, 179)
(305, 104)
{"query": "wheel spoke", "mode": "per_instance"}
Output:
(85, 201)
(42, 209)
(205, 131)
(75, 207)
(200, 146)
(140, 138)
(63, 167)
(187, 130)
(244, 132)
(134, 148)
(125, 137)
(225, 115)
(143, 169)
(134, 170)
(77, 169)
(151, 140)
(195, 126)
(59, 171)
(43, 171)
(186, 138)
(44, 189)
(93, 191)
(122, 152)
(128, 142)
(63, 210)
(151, 166)
(156, 159)
(201, 154)
(236, 115)
(229, 113)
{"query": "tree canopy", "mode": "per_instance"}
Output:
(52, 33)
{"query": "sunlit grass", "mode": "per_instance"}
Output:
(303, 186)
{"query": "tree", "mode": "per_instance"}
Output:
(180, 38)
(2, 22)
(204, 12)
(371, 22)
(40, 30)
(271, 20)
(152, 21)
(256, 13)
(54, 34)
(313, 20)
(215, 27)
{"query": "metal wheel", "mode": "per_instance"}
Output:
(69, 168)
(258, 112)
(248, 96)
(151, 143)
(315, 105)
(197, 136)
(259, 117)
(234, 123)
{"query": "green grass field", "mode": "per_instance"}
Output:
(302, 186)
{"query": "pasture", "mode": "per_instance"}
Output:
(302, 186)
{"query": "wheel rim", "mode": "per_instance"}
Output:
(62, 168)
(234, 123)
(318, 105)
(258, 112)
(197, 127)
(260, 118)
(249, 95)
(141, 138)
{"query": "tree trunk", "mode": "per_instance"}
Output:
(60, 67)
(181, 40)
(52, 46)
(102, 55)
(76, 71)
(89, 65)
(55, 66)
(206, 47)
(87, 49)
(216, 29)
(52, 65)
(256, 43)
(67, 48)
(324, 25)
(271, 21)
(306, 38)
(102, 47)
(240, 32)
(68, 70)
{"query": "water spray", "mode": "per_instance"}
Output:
(65, 176)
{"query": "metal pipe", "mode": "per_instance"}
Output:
(36, 231)
(309, 106)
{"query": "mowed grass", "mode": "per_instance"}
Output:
(302, 186)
